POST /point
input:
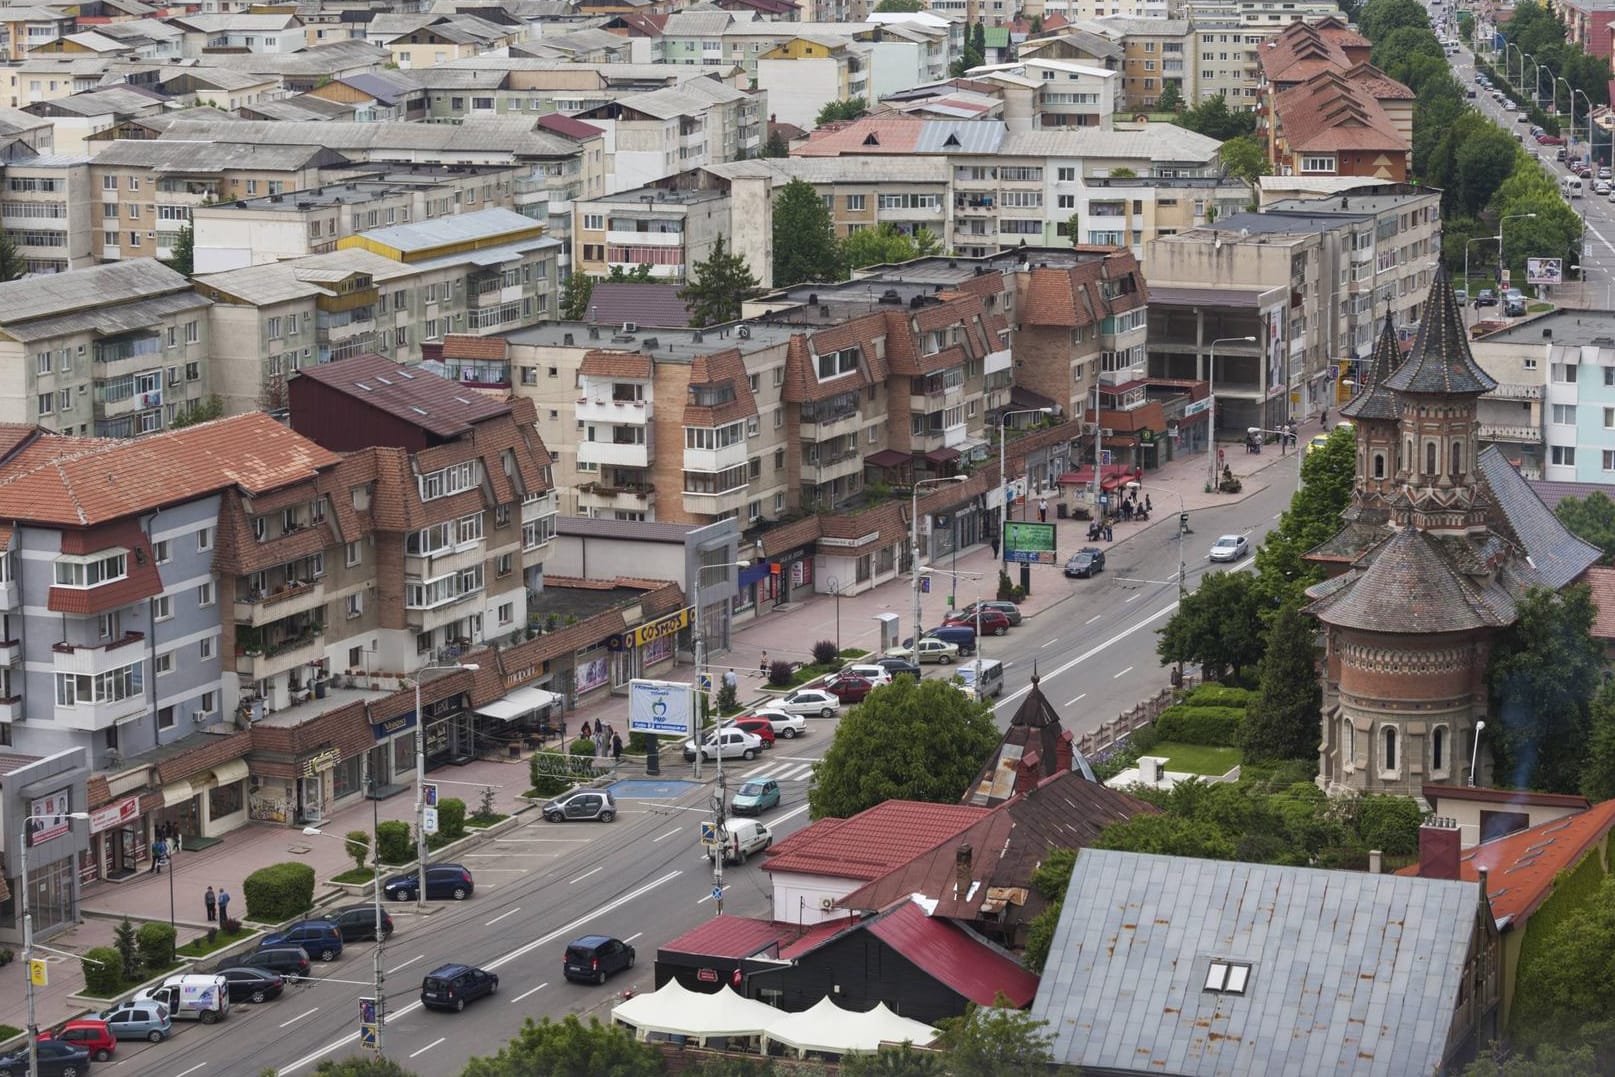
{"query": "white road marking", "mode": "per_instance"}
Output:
(1079, 699)
(298, 1018)
(669, 834)
(1052, 642)
(634, 936)
(1123, 673)
(1135, 598)
(193, 1069)
(1094, 618)
(411, 961)
(534, 990)
(502, 915)
(429, 1046)
(586, 874)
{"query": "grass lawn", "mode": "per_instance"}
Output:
(481, 822)
(1197, 758)
(7, 1032)
(852, 654)
(200, 947)
(355, 876)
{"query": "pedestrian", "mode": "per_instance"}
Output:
(584, 731)
(616, 747)
(992, 540)
(174, 843)
(224, 905)
(1147, 506)
(1323, 419)
(159, 852)
(1042, 510)
(210, 900)
(1110, 533)
(762, 665)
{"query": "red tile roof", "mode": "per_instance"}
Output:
(949, 955)
(731, 936)
(1329, 112)
(873, 842)
(870, 135)
(571, 128)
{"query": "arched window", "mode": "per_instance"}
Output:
(1457, 458)
(1388, 737)
(1348, 740)
(1379, 465)
(1438, 748)
(1429, 458)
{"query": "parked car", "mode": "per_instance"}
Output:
(755, 797)
(898, 666)
(90, 1033)
(1604, 172)
(849, 687)
(1514, 308)
(873, 672)
(784, 725)
(807, 701)
(1086, 562)
(594, 957)
(1008, 609)
(930, 650)
(988, 622)
(358, 922)
(581, 804)
(761, 728)
(1229, 548)
(1551, 140)
(1559, 154)
(56, 1059)
(450, 987)
(142, 1020)
(731, 743)
(290, 962)
(321, 938)
(1461, 294)
(1485, 298)
(442, 881)
(247, 984)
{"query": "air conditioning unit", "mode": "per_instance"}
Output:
(827, 903)
(630, 327)
(199, 718)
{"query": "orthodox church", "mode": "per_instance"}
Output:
(1441, 539)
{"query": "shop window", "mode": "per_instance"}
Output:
(403, 754)
(346, 778)
(224, 800)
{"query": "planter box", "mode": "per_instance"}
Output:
(474, 837)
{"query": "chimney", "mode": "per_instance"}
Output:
(1439, 847)
(1062, 752)
(1376, 862)
(961, 870)
(1027, 772)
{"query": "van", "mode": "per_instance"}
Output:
(1571, 186)
(743, 837)
(962, 635)
(192, 997)
(983, 678)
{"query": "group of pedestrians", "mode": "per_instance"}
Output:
(217, 903)
(167, 843)
(607, 741)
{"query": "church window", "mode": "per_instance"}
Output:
(1388, 737)
(1349, 740)
(1429, 458)
(1457, 458)
(1379, 465)
(1438, 749)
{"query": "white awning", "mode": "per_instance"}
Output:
(231, 772)
(176, 793)
(521, 701)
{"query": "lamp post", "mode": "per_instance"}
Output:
(1552, 85)
(376, 976)
(1589, 103)
(28, 930)
(1470, 300)
(420, 778)
(1211, 410)
(1502, 266)
(914, 543)
(718, 801)
(1474, 753)
(1003, 473)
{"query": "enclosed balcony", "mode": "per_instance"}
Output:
(280, 646)
(824, 420)
(615, 400)
(620, 445)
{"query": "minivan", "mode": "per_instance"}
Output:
(982, 677)
(442, 881)
(321, 938)
(194, 997)
(450, 987)
(962, 635)
(742, 837)
(358, 922)
(594, 957)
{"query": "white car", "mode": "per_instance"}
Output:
(931, 650)
(808, 701)
(1229, 548)
(736, 744)
(785, 724)
(875, 675)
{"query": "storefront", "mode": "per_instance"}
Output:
(117, 840)
(526, 713)
(391, 761)
(771, 583)
(639, 652)
(36, 804)
(312, 795)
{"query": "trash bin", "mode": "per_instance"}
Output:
(1062, 511)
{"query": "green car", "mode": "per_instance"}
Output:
(755, 797)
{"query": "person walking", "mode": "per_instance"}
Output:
(159, 853)
(210, 901)
(175, 845)
(224, 905)
(616, 747)
(992, 540)
(1042, 510)
(762, 666)
(584, 731)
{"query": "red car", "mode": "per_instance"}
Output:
(752, 724)
(993, 622)
(1550, 140)
(88, 1033)
(849, 687)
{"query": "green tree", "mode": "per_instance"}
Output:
(11, 264)
(182, 255)
(1482, 161)
(978, 38)
(575, 296)
(1282, 722)
(1566, 976)
(199, 411)
(1379, 17)
(1543, 673)
(640, 274)
(125, 941)
(361, 1066)
(733, 1067)
(901, 1061)
(906, 741)
(1050, 879)
(899, 6)
(1171, 99)
(718, 286)
(997, 1041)
(569, 1048)
(1546, 1060)
(850, 109)
(805, 247)
(1592, 519)
(886, 245)
(1598, 773)
(1213, 118)
(1327, 476)
(775, 146)
(1244, 159)
(1037, 26)
(1218, 625)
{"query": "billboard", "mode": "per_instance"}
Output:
(1029, 543)
(660, 707)
(1544, 271)
(48, 816)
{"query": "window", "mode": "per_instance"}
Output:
(204, 540)
(1388, 742)
(855, 203)
(204, 594)
(502, 565)
(1565, 415)
(355, 605)
(204, 649)
(1065, 175)
(91, 572)
(47, 403)
(507, 613)
(207, 702)
(1609, 460)
(1430, 458)
(73, 689)
(164, 663)
(165, 718)
(1438, 748)
(355, 554)
(1565, 373)
(1227, 977)
(1563, 455)
(162, 608)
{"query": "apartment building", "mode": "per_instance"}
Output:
(1063, 93)
(1259, 14)
(1587, 24)
(50, 212)
(111, 351)
(486, 87)
(806, 73)
(76, 117)
(1157, 51)
(649, 136)
(906, 50)
(240, 33)
(26, 28)
(908, 193)
(1077, 10)
(1225, 60)
(443, 39)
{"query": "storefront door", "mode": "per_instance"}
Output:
(51, 900)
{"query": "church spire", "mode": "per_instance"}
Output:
(1440, 362)
(1374, 400)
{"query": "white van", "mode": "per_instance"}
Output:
(192, 997)
(982, 677)
(742, 838)
(1571, 187)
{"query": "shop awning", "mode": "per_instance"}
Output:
(176, 793)
(942, 456)
(521, 701)
(230, 773)
(887, 458)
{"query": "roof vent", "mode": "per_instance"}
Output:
(698, 338)
(629, 327)
(406, 375)
(648, 344)
(890, 296)
(463, 400)
(1547, 334)
(383, 380)
(594, 332)
(417, 411)
(363, 386)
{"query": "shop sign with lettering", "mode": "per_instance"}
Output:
(670, 625)
(323, 761)
(383, 730)
(108, 816)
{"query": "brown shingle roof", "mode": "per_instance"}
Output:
(716, 370)
(602, 364)
(417, 396)
(1331, 112)
(462, 346)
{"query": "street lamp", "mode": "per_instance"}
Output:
(1502, 266)
(1478, 239)
(1003, 474)
(420, 778)
(914, 543)
(375, 840)
(718, 804)
(1474, 752)
(1211, 410)
(1552, 85)
(1589, 103)
(28, 931)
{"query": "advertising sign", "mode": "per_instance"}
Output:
(660, 707)
(1544, 271)
(671, 625)
(48, 817)
(108, 816)
(1029, 543)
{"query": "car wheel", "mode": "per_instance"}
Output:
(788, 733)
(69, 1070)
(945, 660)
(607, 816)
(600, 977)
(459, 893)
(553, 816)
(740, 856)
(630, 960)
(1000, 630)
(459, 1005)
(328, 954)
(493, 985)
(828, 712)
(155, 1036)
(749, 754)
(258, 995)
(102, 1054)
(209, 1017)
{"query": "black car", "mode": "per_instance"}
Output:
(1086, 562)
(248, 984)
(358, 923)
(450, 987)
(56, 1059)
(1486, 298)
(290, 962)
(899, 667)
(594, 957)
(442, 881)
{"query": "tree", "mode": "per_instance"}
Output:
(1545, 1061)
(902, 1061)
(1050, 879)
(640, 274)
(182, 255)
(1282, 722)
(199, 411)
(1036, 27)
(569, 1048)
(1563, 984)
(733, 1067)
(1598, 773)
(885, 245)
(1218, 625)
(361, 1066)
(1380, 17)
(1592, 519)
(575, 296)
(775, 146)
(11, 264)
(906, 741)
(1244, 159)
(1327, 476)
(996, 1041)
(805, 247)
(1213, 118)
(978, 38)
(835, 111)
(902, 6)
(1171, 99)
(1543, 671)
(970, 55)
(718, 287)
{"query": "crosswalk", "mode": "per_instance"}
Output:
(782, 770)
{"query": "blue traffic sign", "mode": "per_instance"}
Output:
(717, 893)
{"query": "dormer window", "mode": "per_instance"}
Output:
(93, 571)
(834, 364)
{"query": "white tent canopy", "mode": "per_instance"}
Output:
(830, 1029)
(675, 1010)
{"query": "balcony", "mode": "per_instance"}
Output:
(12, 709)
(536, 506)
(614, 454)
(478, 374)
(1506, 391)
(260, 608)
(645, 239)
(95, 717)
(717, 504)
(262, 655)
(831, 426)
(827, 467)
(10, 652)
(614, 412)
(1520, 435)
(626, 497)
(93, 658)
(723, 459)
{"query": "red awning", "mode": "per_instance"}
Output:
(1083, 476)
(887, 458)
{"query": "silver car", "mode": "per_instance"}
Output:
(1230, 548)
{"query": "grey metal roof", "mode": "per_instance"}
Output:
(1440, 361)
(1375, 400)
(1558, 555)
(173, 155)
(1162, 143)
(514, 137)
(460, 228)
(93, 286)
(109, 319)
(849, 169)
(697, 24)
(1350, 972)
(639, 530)
(960, 136)
(1411, 586)
(649, 305)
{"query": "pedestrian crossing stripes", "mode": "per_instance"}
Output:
(798, 772)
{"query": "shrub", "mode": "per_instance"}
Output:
(825, 652)
(1213, 726)
(392, 840)
(639, 743)
(1006, 589)
(279, 892)
(156, 946)
(485, 810)
(103, 971)
(358, 847)
(780, 675)
(1389, 824)
(1219, 695)
(583, 746)
(451, 819)
(550, 785)
(726, 699)
(126, 946)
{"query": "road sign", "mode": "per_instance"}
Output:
(38, 975)
(709, 833)
(717, 893)
(429, 820)
(704, 682)
(367, 1037)
(429, 794)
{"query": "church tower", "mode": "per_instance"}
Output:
(1377, 415)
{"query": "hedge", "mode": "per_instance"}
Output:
(1216, 727)
(156, 946)
(394, 843)
(451, 819)
(1219, 695)
(279, 892)
(1389, 824)
(103, 971)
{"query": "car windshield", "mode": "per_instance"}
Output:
(752, 789)
(1228, 540)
